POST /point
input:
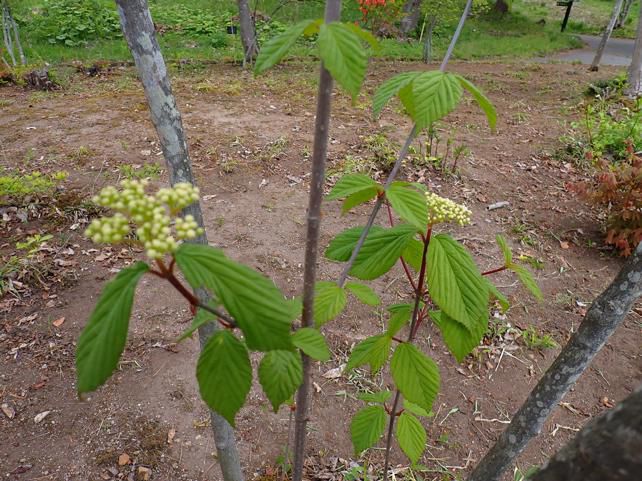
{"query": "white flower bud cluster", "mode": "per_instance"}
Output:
(152, 215)
(441, 209)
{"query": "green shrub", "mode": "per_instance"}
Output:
(14, 187)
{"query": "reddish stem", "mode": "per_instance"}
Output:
(493, 271)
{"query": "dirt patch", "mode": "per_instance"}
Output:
(250, 140)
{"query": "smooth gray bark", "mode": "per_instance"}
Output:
(605, 314)
(7, 27)
(410, 20)
(139, 32)
(606, 35)
(608, 448)
(317, 181)
(427, 52)
(635, 69)
(248, 32)
(624, 13)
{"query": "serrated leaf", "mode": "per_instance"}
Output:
(409, 204)
(280, 375)
(482, 101)
(373, 351)
(341, 247)
(367, 427)
(434, 95)
(416, 375)
(381, 250)
(400, 315)
(375, 397)
(416, 410)
(350, 184)
(329, 302)
(389, 89)
(527, 280)
(224, 374)
(364, 35)
(364, 293)
(506, 251)
(359, 198)
(274, 49)
(413, 254)
(459, 339)
(202, 317)
(311, 342)
(103, 339)
(343, 56)
(411, 436)
(257, 305)
(454, 282)
(501, 298)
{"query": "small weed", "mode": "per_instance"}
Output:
(519, 475)
(538, 342)
(382, 149)
(146, 171)
(273, 150)
(15, 188)
(524, 233)
(82, 154)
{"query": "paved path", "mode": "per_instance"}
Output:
(618, 51)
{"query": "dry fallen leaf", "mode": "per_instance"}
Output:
(564, 244)
(8, 410)
(40, 416)
(143, 473)
(334, 373)
(59, 322)
(124, 459)
(170, 436)
(606, 402)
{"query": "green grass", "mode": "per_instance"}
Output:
(515, 35)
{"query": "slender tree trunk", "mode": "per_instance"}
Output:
(606, 313)
(410, 20)
(608, 448)
(635, 69)
(624, 13)
(248, 32)
(606, 35)
(16, 34)
(427, 53)
(6, 32)
(319, 156)
(139, 32)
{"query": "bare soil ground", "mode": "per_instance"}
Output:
(249, 141)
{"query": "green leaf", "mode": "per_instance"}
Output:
(381, 250)
(373, 350)
(275, 48)
(364, 293)
(375, 397)
(359, 198)
(343, 56)
(454, 282)
(202, 317)
(280, 374)
(409, 204)
(506, 251)
(482, 100)
(459, 339)
(416, 410)
(224, 374)
(350, 184)
(527, 279)
(416, 375)
(257, 305)
(400, 315)
(103, 339)
(434, 95)
(311, 342)
(367, 427)
(413, 253)
(494, 292)
(329, 301)
(364, 35)
(341, 247)
(411, 436)
(389, 89)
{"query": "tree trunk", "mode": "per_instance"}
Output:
(248, 32)
(606, 35)
(427, 53)
(624, 13)
(410, 20)
(606, 313)
(635, 69)
(317, 181)
(139, 32)
(608, 448)
(6, 32)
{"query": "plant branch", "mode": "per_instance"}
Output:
(493, 271)
(391, 425)
(456, 35)
(317, 181)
